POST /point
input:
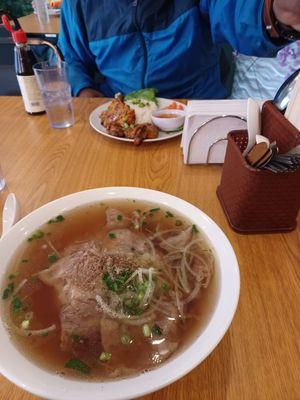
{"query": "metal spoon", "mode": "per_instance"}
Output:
(11, 213)
(283, 96)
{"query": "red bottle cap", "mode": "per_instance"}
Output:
(19, 36)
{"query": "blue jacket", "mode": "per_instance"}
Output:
(172, 45)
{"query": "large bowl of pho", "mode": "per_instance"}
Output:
(112, 293)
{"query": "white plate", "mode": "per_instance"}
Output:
(96, 123)
(29, 376)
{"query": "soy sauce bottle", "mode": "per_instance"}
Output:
(24, 62)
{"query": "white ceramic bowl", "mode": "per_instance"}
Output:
(22, 372)
(168, 124)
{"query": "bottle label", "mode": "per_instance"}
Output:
(32, 98)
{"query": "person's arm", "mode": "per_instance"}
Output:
(73, 44)
(241, 24)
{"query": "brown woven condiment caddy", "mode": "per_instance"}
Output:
(277, 128)
(254, 200)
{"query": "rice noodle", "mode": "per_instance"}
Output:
(179, 304)
(150, 288)
(152, 248)
(157, 234)
(52, 247)
(32, 332)
(193, 294)
(139, 320)
(182, 273)
(20, 286)
(139, 272)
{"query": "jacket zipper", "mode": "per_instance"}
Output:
(142, 40)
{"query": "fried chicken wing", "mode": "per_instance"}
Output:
(117, 116)
(144, 131)
(119, 120)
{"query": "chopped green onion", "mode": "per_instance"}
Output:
(11, 286)
(52, 258)
(12, 276)
(112, 235)
(25, 324)
(78, 365)
(5, 294)
(104, 356)
(45, 334)
(142, 105)
(116, 283)
(24, 260)
(17, 305)
(125, 125)
(7, 291)
(36, 235)
(156, 330)
(178, 222)
(195, 229)
(169, 214)
(146, 330)
(119, 217)
(154, 209)
(33, 279)
(59, 218)
(126, 339)
(165, 286)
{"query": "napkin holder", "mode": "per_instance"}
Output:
(208, 141)
(255, 200)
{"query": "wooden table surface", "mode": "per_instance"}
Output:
(259, 357)
(31, 25)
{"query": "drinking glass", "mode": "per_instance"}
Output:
(42, 12)
(56, 92)
(2, 180)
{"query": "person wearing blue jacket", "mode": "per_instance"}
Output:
(171, 45)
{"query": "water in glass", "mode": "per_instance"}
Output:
(58, 103)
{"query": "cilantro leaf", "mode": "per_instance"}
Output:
(78, 365)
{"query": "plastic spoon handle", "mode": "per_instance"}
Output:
(253, 124)
(11, 213)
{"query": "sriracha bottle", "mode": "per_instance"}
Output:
(24, 62)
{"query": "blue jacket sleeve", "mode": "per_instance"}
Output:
(74, 46)
(240, 24)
